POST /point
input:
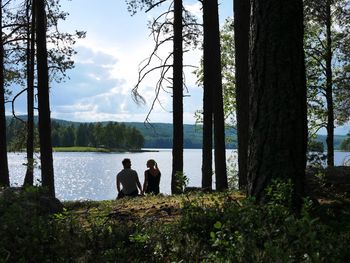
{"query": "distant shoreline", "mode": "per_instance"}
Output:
(100, 150)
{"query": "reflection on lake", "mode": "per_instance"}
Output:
(80, 176)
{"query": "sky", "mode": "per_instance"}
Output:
(107, 63)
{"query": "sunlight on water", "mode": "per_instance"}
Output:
(80, 176)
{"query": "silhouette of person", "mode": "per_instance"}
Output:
(129, 180)
(152, 178)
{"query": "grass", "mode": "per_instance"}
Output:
(195, 227)
(162, 207)
(80, 149)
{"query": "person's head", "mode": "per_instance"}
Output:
(126, 163)
(150, 163)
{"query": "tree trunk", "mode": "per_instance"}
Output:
(329, 87)
(46, 159)
(207, 153)
(4, 171)
(241, 27)
(213, 81)
(207, 150)
(278, 123)
(29, 178)
(177, 99)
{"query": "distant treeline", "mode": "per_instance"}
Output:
(157, 135)
(110, 135)
(160, 135)
(345, 144)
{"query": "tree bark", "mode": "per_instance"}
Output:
(213, 81)
(207, 150)
(4, 171)
(241, 35)
(177, 152)
(329, 87)
(278, 123)
(46, 159)
(29, 178)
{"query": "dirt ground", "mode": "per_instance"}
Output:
(327, 185)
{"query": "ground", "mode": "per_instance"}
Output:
(331, 186)
(328, 185)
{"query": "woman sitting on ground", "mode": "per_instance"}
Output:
(152, 178)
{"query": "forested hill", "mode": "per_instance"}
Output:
(159, 135)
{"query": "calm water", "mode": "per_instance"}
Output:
(80, 176)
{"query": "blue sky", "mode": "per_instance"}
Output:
(106, 66)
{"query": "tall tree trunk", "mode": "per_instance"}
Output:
(207, 153)
(278, 123)
(213, 81)
(241, 27)
(43, 101)
(329, 87)
(29, 178)
(207, 150)
(177, 98)
(4, 171)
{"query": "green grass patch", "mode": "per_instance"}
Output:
(80, 149)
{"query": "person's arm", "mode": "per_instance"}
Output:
(118, 184)
(156, 166)
(139, 184)
(145, 182)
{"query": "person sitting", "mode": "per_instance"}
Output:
(129, 180)
(152, 178)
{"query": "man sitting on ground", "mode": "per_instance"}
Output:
(129, 179)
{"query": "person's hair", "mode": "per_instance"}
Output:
(153, 162)
(126, 161)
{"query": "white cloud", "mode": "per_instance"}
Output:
(195, 9)
(101, 90)
(107, 66)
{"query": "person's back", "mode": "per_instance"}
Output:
(153, 182)
(152, 178)
(129, 180)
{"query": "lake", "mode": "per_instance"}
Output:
(81, 176)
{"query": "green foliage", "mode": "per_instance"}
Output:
(228, 72)
(315, 146)
(280, 192)
(232, 172)
(317, 51)
(60, 44)
(135, 5)
(345, 144)
(211, 228)
(110, 135)
(315, 153)
(30, 234)
(159, 135)
(242, 231)
(181, 180)
(337, 140)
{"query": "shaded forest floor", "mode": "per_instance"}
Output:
(323, 187)
(194, 227)
(329, 185)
